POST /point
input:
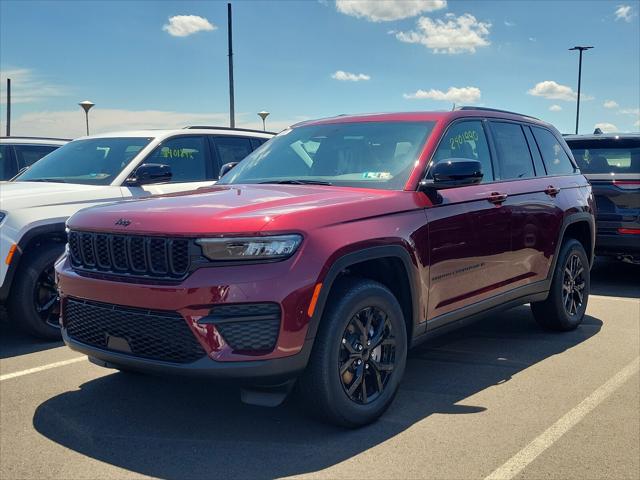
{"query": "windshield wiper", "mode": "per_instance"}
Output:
(298, 182)
(52, 180)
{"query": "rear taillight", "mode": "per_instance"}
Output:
(629, 231)
(627, 184)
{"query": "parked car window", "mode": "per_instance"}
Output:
(360, 154)
(256, 142)
(94, 161)
(535, 153)
(607, 157)
(30, 154)
(466, 140)
(555, 158)
(6, 170)
(186, 156)
(232, 149)
(514, 158)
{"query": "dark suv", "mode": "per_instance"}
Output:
(611, 163)
(331, 250)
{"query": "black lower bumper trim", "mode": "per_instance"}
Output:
(256, 371)
(620, 244)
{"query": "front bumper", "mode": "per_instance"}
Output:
(193, 300)
(276, 370)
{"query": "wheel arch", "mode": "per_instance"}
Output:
(580, 226)
(389, 265)
(51, 233)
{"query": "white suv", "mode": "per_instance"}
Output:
(17, 153)
(86, 172)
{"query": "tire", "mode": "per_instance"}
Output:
(32, 289)
(566, 289)
(323, 387)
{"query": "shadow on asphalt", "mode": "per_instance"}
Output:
(175, 428)
(14, 342)
(614, 278)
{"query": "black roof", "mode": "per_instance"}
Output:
(603, 136)
(487, 109)
(212, 127)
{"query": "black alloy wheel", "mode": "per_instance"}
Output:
(367, 355)
(573, 284)
(45, 298)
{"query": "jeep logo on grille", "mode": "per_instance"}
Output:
(123, 222)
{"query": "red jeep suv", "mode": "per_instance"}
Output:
(328, 252)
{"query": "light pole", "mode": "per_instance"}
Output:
(263, 115)
(580, 49)
(86, 106)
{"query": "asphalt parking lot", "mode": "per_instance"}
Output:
(498, 399)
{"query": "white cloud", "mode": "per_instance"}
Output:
(453, 94)
(388, 10)
(533, 39)
(453, 35)
(610, 104)
(555, 108)
(624, 12)
(629, 111)
(555, 91)
(606, 127)
(349, 77)
(637, 124)
(27, 86)
(185, 25)
(507, 23)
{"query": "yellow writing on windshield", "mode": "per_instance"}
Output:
(177, 153)
(458, 140)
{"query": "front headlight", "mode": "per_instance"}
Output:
(250, 248)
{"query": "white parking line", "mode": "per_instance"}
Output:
(21, 373)
(528, 454)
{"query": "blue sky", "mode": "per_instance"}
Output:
(288, 55)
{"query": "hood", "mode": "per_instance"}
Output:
(244, 209)
(19, 195)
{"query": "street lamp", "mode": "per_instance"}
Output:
(86, 106)
(580, 49)
(263, 115)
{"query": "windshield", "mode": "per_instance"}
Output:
(363, 154)
(95, 161)
(599, 156)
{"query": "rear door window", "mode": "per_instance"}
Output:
(256, 142)
(555, 158)
(27, 155)
(514, 158)
(232, 149)
(187, 156)
(464, 140)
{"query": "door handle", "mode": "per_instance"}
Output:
(551, 190)
(497, 197)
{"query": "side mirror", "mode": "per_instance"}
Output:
(226, 167)
(454, 172)
(149, 173)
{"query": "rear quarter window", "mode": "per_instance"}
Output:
(555, 158)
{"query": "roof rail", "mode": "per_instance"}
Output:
(486, 109)
(212, 127)
(11, 137)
